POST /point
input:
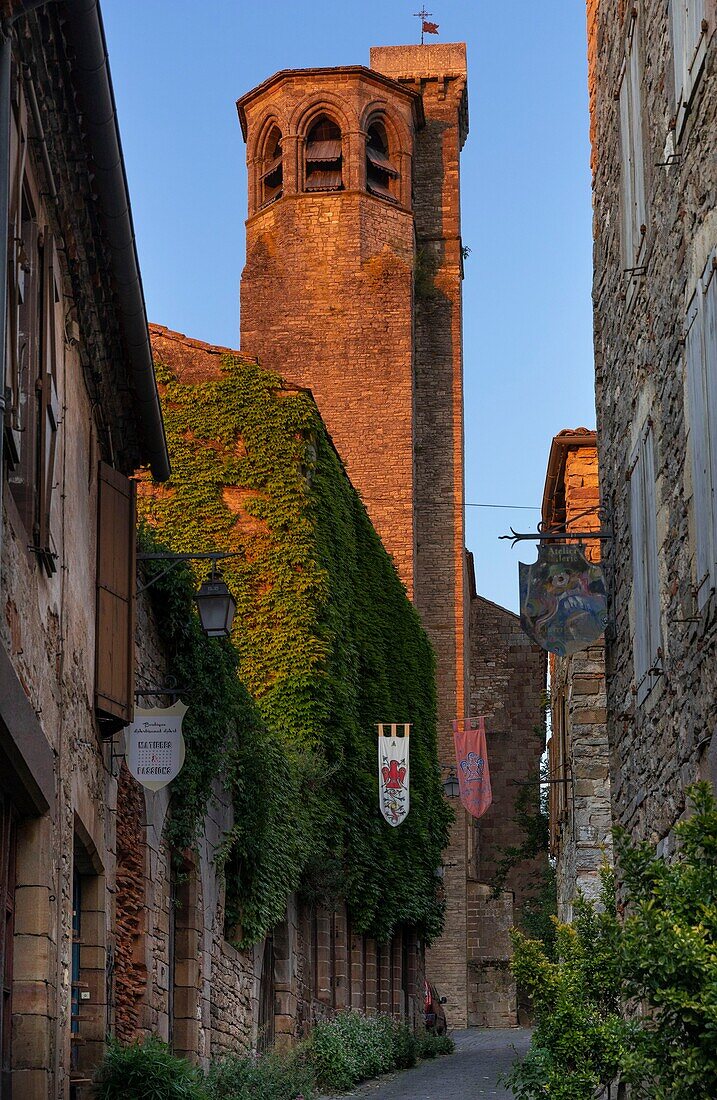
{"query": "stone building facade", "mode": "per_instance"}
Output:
(507, 687)
(80, 413)
(653, 98)
(579, 773)
(176, 972)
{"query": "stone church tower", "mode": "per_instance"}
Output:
(352, 287)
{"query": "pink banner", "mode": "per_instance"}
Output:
(472, 765)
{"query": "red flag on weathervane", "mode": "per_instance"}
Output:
(472, 765)
(430, 28)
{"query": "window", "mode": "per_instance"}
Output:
(381, 176)
(646, 591)
(633, 208)
(701, 364)
(272, 170)
(323, 157)
(689, 44)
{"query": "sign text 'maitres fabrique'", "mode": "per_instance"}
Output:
(155, 745)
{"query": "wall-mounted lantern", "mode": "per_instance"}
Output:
(215, 603)
(451, 786)
(216, 607)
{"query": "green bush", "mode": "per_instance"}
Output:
(268, 1077)
(660, 956)
(146, 1070)
(405, 1047)
(351, 1047)
(430, 1045)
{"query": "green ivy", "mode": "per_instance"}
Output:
(326, 643)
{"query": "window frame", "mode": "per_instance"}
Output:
(647, 625)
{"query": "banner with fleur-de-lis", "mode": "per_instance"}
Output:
(472, 764)
(393, 771)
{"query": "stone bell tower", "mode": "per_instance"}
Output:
(352, 287)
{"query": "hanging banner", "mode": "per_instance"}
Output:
(393, 771)
(472, 764)
(563, 605)
(155, 745)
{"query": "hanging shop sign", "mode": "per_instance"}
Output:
(393, 771)
(155, 745)
(472, 764)
(563, 605)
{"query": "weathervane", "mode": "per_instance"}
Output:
(426, 27)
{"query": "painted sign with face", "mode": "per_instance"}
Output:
(563, 605)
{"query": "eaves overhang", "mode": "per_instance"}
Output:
(362, 71)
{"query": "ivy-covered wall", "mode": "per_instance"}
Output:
(325, 642)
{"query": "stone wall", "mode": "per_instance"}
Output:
(492, 993)
(664, 742)
(507, 686)
(580, 814)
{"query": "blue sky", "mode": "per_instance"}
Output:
(178, 67)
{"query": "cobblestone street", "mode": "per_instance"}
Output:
(472, 1072)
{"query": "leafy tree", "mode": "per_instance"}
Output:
(659, 960)
(669, 958)
(579, 1039)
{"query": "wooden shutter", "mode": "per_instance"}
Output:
(628, 243)
(645, 571)
(24, 478)
(16, 282)
(709, 333)
(116, 580)
(49, 413)
(699, 447)
(678, 18)
(634, 214)
(637, 155)
(696, 13)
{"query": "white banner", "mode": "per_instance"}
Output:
(393, 771)
(155, 746)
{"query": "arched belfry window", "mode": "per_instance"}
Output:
(272, 171)
(323, 157)
(381, 175)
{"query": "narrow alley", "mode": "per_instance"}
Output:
(482, 1056)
